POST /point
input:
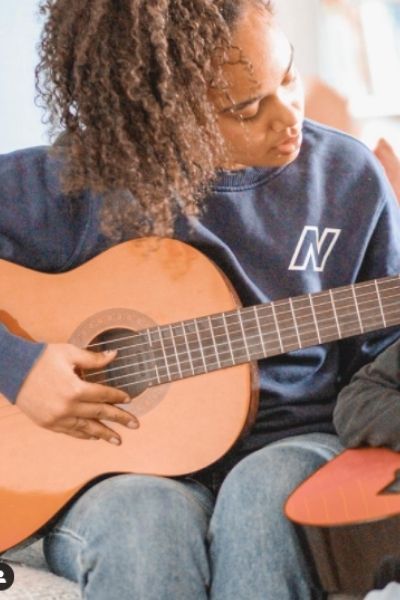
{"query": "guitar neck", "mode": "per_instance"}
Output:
(222, 340)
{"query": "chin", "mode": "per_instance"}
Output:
(269, 161)
(282, 160)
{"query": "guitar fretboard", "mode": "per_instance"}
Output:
(193, 347)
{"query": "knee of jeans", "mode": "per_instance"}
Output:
(124, 516)
(271, 474)
(143, 501)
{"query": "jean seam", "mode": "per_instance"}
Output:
(68, 533)
(194, 500)
(194, 497)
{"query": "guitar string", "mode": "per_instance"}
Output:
(13, 412)
(176, 346)
(186, 369)
(249, 308)
(174, 354)
(195, 337)
(296, 299)
(261, 319)
(183, 372)
(245, 312)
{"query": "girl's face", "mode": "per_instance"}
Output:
(260, 114)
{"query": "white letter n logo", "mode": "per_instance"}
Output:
(312, 247)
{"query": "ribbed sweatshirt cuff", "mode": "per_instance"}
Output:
(17, 358)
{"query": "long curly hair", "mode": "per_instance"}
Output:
(126, 82)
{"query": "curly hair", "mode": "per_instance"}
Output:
(127, 81)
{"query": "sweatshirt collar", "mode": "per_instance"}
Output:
(243, 178)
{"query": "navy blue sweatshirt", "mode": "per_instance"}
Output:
(327, 219)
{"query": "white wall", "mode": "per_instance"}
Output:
(20, 120)
(299, 20)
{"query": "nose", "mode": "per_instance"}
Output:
(287, 118)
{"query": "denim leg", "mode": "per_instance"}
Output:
(135, 537)
(255, 551)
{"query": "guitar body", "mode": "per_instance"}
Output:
(185, 425)
(349, 510)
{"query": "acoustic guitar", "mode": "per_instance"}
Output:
(186, 354)
(349, 510)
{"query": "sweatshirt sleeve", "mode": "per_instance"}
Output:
(367, 412)
(43, 230)
(17, 358)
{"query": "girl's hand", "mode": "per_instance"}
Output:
(55, 397)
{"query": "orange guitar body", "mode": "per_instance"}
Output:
(183, 424)
(352, 488)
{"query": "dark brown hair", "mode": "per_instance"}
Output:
(127, 81)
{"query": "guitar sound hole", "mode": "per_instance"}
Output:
(129, 371)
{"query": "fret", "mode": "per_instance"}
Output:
(305, 320)
(222, 339)
(314, 317)
(286, 327)
(335, 313)
(207, 341)
(390, 299)
(238, 348)
(380, 302)
(357, 309)
(175, 344)
(272, 341)
(295, 322)
(187, 348)
(196, 357)
(327, 326)
(157, 356)
(246, 348)
(346, 311)
(260, 335)
(200, 344)
(228, 337)
(214, 342)
(164, 352)
(368, 306)
(176, 339)
(151, 355)
(277, 327)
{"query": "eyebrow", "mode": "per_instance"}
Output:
(245, 103)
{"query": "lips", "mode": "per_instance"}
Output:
(289, 145)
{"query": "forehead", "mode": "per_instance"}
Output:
(264, 47)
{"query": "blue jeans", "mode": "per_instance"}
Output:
(150, 538)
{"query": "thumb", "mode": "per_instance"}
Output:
(86, 359)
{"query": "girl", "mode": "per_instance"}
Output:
(185, 118)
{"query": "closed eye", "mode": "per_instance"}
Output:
(249, 117)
